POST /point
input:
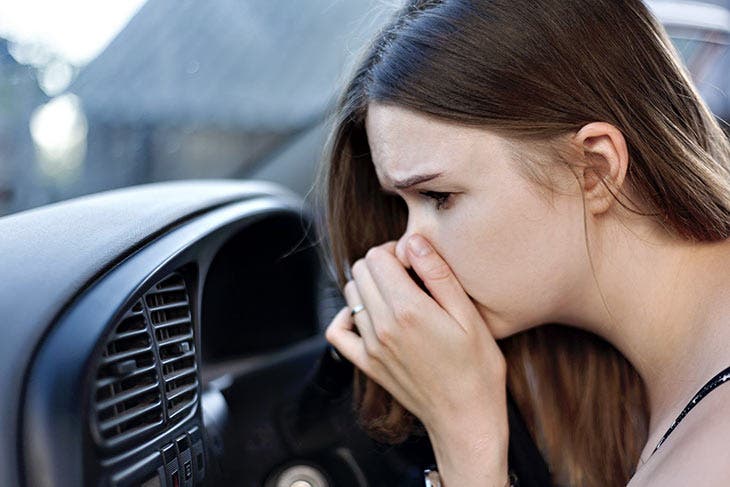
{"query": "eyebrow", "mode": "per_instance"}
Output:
(414, 180)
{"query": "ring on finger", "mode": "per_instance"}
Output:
(356, 309)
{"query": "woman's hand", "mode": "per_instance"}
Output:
(435, 355)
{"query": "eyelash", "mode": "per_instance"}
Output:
(440, 198)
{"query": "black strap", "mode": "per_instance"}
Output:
(720, 378)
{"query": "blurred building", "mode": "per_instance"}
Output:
(195, 89)
(19, 96)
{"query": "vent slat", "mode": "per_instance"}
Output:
(132, 323)
(169, 360)
(179, 321)
(178, 374)
(176, 411)
(175, 393)
(129, 415)
(113, 380)
(177, 339)
(166, 306)
(121, 356)
(128, 334)
(172, 287)
(127, 395)
(133, 433)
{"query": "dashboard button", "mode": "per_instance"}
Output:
(172, 466)
(168, 453)
(194, 433)
(185, 464)
(198, 461)
(183, 443)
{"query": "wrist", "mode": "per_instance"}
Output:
(432, 478)
(471, 459)
(471, 439)
(471, 449)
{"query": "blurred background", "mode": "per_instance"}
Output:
(96, 95)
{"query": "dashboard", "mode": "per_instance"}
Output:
(103, 325)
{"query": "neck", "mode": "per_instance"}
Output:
(668, 314)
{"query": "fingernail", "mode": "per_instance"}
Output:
(419, 246)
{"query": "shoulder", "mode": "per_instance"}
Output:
(697, 452)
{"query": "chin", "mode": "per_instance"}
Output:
(499, 332)
(497, 326)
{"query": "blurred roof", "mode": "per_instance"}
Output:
(245, 64)
(255, 65)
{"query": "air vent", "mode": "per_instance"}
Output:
(169, 311)
(147, 376)
(127, 402)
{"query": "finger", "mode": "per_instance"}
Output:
(399, 249)
(389, 246)
(381, 313)
(379, 310)
(341, 335)
(383, 350)
(399, 292)
(441, 281)
(361, 318)
(383, 345)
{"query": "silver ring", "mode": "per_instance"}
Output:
(357, 309)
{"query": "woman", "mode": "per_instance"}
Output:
(535, 163)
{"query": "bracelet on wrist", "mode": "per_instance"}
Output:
(433, 479)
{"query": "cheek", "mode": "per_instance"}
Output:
(513, 257)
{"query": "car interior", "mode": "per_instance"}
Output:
(184, 347)
(172, 333)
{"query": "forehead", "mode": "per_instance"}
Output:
(404, 142)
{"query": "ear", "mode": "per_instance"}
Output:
(604, 150)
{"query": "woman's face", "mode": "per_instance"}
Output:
(521, 260)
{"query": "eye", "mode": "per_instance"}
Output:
(440, 198)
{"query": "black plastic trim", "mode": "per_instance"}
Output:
(57, 396)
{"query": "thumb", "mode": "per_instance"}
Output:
(441, 281)
(401, 253)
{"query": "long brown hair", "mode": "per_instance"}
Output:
(536, 71)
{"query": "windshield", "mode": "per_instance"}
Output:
(102, 95)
